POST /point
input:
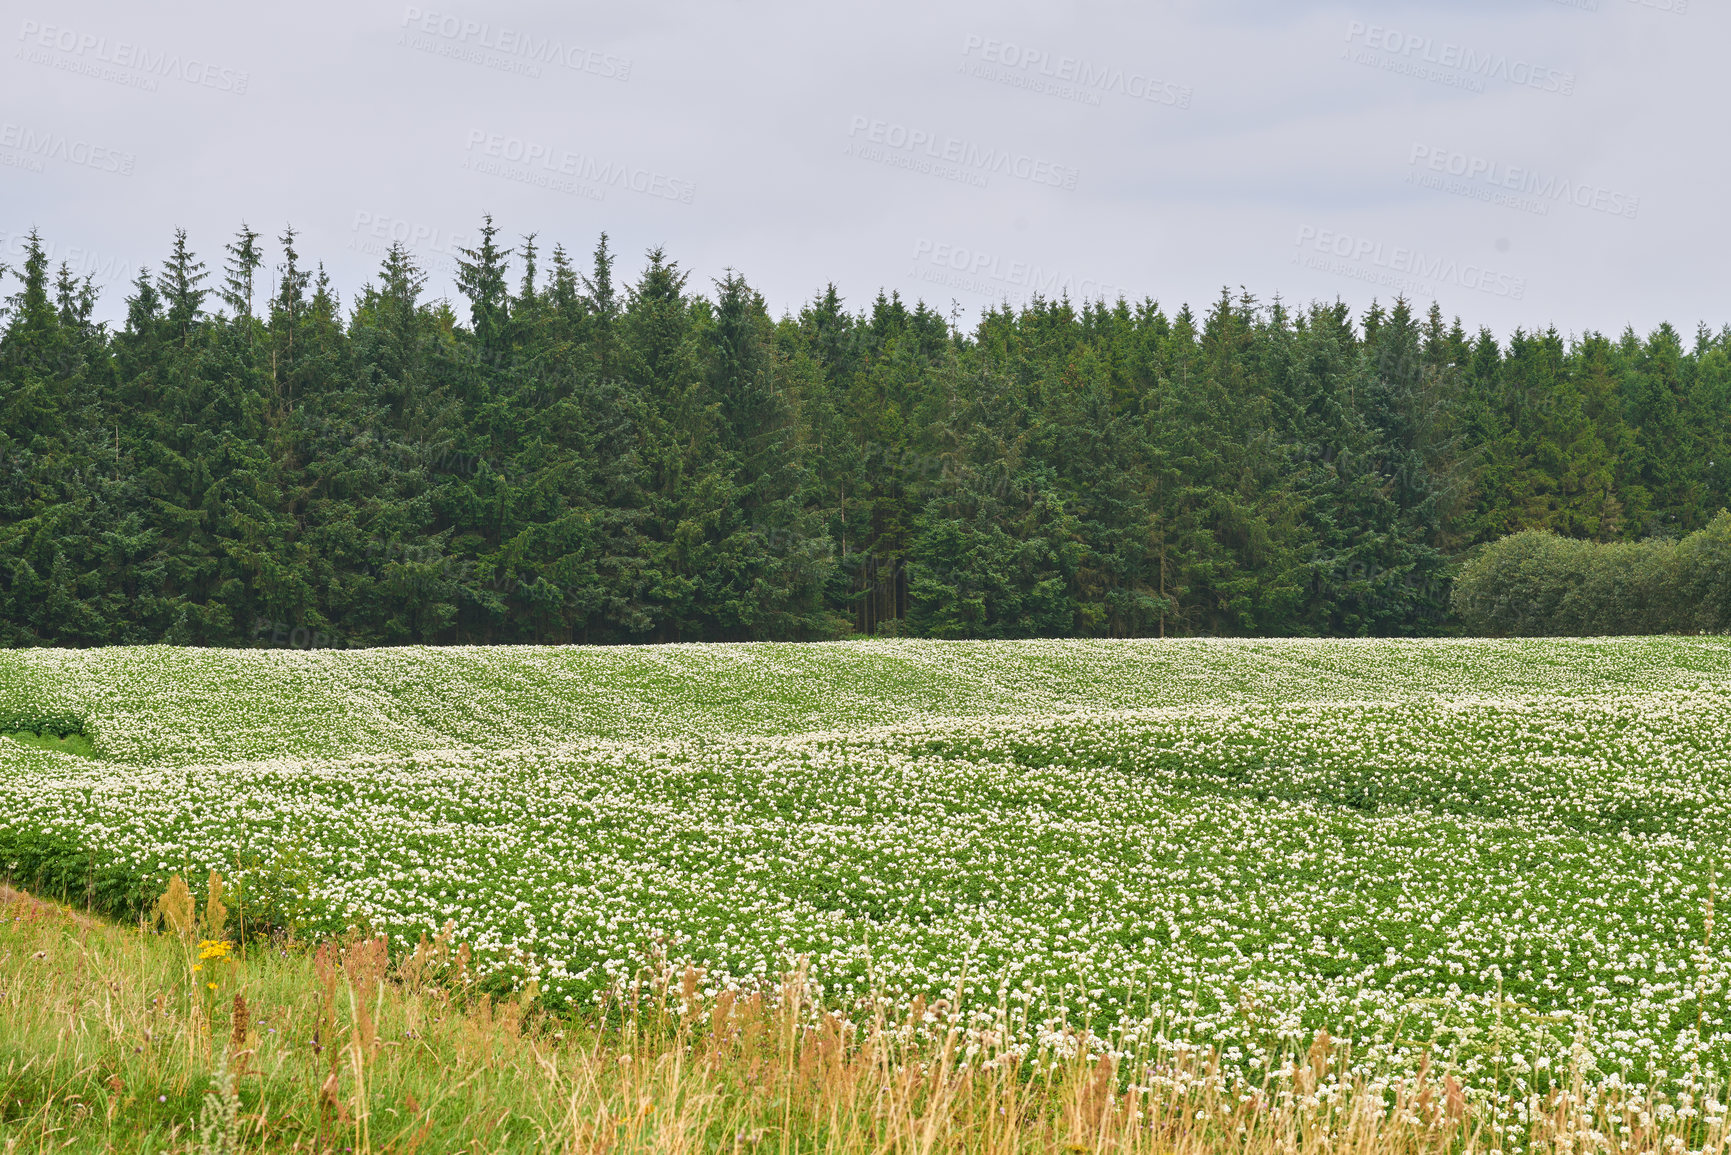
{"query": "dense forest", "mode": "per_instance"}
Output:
(249, 460)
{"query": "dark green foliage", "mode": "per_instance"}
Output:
(1702, 593)
(40, 725)
(1536, 582)
(58, 867)
(564, 457)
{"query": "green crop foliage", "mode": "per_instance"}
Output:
(65, 743)
(1505, 855)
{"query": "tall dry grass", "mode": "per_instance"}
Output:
(123, 1039)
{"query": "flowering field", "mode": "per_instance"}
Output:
(1504, 852)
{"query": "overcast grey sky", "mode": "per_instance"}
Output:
(1524, 162)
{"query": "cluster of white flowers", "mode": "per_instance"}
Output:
(1503, 853)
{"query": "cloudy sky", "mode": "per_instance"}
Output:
(1524, 162)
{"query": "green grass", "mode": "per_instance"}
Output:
(63, 743)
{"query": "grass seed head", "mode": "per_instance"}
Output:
(215, 913)
(174, 910)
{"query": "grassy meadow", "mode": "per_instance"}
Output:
(893, 895)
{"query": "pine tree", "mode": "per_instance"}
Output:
(481, 278)
(244, 260)
(179, 282)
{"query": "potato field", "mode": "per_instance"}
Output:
(1502, 857)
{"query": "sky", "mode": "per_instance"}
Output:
(1524, 163)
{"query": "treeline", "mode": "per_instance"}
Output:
(249, 460)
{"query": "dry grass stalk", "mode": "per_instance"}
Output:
(174, 911)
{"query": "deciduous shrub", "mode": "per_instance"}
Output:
(1537, 583)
